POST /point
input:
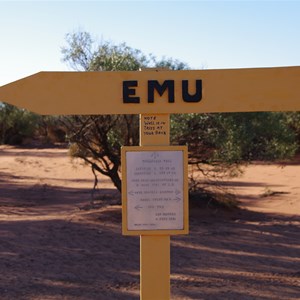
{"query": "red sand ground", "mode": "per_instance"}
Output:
(55, 245)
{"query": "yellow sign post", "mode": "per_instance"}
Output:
(158, 205)
(155, 200)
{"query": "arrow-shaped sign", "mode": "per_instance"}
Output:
(195, 91)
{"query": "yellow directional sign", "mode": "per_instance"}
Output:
(146, 92)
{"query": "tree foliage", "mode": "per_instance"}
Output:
(97, 139)
(235, 137)
(19, 126)
(82, 53)
(293, 121)
(16, 124)
(220, 143)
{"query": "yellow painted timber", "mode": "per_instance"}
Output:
(155, 267)
(162, 137)
(228, 90)
(154, 249)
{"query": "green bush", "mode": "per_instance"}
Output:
(16, 124)
(235, 137)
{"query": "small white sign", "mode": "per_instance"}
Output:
(155, 190)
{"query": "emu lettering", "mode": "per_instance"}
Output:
(189, 93)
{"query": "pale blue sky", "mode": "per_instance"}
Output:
(204, 34)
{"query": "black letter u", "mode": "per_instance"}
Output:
(186, 96)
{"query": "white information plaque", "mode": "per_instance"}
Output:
(155, 190)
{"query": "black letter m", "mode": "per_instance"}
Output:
(155, 85)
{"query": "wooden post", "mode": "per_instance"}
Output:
(155, 250)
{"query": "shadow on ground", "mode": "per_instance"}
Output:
(57, 248)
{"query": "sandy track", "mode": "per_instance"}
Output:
(52, 246)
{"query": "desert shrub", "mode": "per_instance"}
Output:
(293, 121)
(16, 124)
(51, 130)
(234, 137)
